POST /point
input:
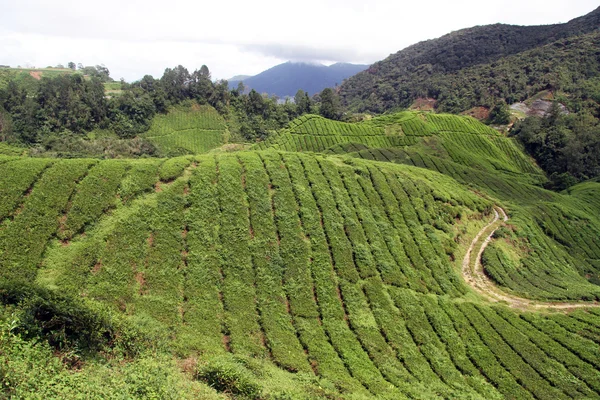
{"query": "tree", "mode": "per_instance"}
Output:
(132, 112)
(330, 104)
(204, 72)
(71, 65)
(176, 82)
(5, 125)
(241, 88)
(303, 102)
(256, 104)
(500, 114)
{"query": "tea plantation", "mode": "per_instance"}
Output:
(195, 129)
(324, 263)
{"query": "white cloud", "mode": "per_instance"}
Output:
(135, 37)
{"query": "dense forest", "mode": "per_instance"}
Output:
(404, 76)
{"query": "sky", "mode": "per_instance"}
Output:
(239, 37)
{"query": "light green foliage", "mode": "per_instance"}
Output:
(8, 150)
(141, 177)
(21, 247)
(288, 275)
(100, 184)
(187, 129)
(459, 139)
(16, 180)
(173, 168)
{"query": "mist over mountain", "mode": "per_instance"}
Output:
(287, 78)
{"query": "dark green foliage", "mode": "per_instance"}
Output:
(330, 104)
(500, 114)
(565, 146)
(56, 113)
(131, 113)
(478, 66)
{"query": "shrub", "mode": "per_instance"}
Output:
(229, 377)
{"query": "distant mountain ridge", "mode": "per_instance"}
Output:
(287, 78)
(389, 83)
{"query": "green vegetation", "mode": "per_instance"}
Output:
(329, 260)
(482, 66)
(298, 275)
(195, 129)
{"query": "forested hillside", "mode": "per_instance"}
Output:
(418, 71)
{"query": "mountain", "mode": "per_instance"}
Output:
(286, 79)
(404, 76)
(412, 255)
(239, 78)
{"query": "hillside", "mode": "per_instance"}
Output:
(29, 76)
(291, 274)
(421, 69)
(286, 79)
(187, 129)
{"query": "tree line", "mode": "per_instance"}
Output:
(72, 105)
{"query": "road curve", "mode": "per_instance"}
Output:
(475, 277)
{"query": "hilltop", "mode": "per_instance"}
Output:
(286, 79)
(29, 76)
(420, 70)
(333, 269)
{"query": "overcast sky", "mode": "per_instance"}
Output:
(137, 37)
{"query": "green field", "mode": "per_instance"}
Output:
(188, 130)
(29, 76)
(280, 273)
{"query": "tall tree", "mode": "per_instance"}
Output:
(330, 104)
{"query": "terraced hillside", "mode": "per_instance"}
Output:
(450, 137)
(323, 276)
(549, 244)
(194, 129)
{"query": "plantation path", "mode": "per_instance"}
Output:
(474, 275)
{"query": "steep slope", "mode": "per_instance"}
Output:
(342, 275)
(478, 156)
(286, 79)
(377, 88)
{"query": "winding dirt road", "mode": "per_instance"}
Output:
(474, 275)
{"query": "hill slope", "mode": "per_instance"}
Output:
(405, 71)
(186, 129)
(286, 79)
(270, 274)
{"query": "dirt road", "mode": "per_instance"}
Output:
(474, 275)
